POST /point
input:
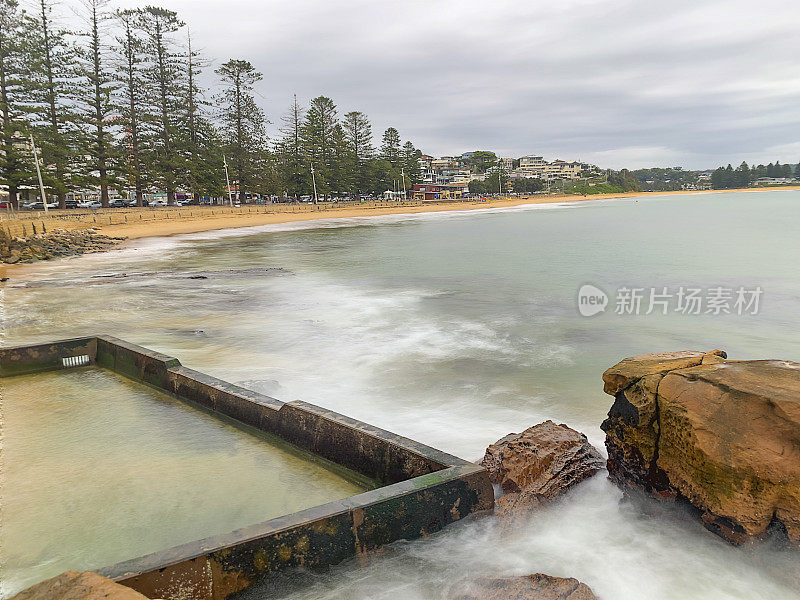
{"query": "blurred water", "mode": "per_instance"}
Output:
(456, 329)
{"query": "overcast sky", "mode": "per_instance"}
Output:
(620, 83)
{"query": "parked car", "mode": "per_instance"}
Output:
(156, 203)
(5, 205)
(132, 203)
(70, 204)
(39, 205)
(116, 203)
(93, 204)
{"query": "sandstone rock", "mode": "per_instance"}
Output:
(621, 375)
(722, 435)
(538, 465)
(530, 587)
(72, 585)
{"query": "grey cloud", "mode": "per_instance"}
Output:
(630, 83)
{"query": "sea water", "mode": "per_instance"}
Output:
(458, 328)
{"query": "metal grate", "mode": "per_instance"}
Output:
(75, 361)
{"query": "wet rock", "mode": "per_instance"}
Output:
(538, 465)
(56, 243)
(72, 585)
(722, 435)
(530, 587)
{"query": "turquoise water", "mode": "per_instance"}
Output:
(456, 329)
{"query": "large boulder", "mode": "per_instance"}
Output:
(72, 585)
(529, 587)
(539, 464)
(722, 435)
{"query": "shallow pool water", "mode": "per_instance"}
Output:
(97, 469)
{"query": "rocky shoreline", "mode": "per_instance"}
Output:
(722, 436)
(54, 244)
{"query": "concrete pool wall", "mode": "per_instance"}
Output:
(423, 490)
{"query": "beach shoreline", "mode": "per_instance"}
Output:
(133, 230)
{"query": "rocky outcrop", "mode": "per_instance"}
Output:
(538, 465)
(722, 435)
(530, 587)
(53, 244)
(72, 585)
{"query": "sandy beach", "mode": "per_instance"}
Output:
(133, 224)
(134, 230)
(188, 222)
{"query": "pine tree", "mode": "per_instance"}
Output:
(203, 156)
(243, 122)
(743, 175)
(390, 147)
(50, 59)
(411, 168)
(318, 139)
(343, 164)
(358, 133)
(131, 99)
(771, 170)
(290, 150)
(96, 86)
(163, 75)
(13, 164)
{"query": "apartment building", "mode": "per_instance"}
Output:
(532, 163)
(537, 167)
(449, 170)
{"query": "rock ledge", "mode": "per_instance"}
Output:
(722, 435)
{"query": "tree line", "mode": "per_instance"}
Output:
(743, 175)
(117, 105)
